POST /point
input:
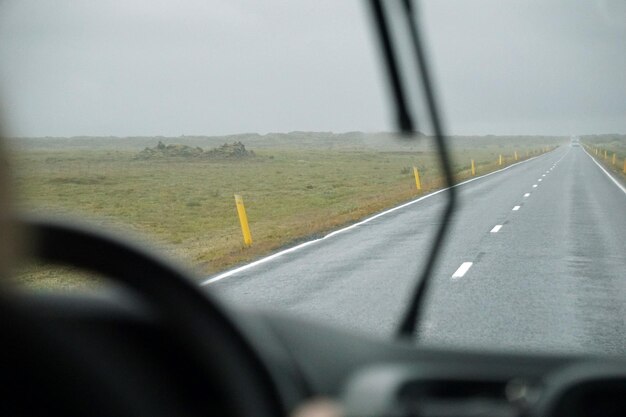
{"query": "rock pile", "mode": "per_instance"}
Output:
(235, 150)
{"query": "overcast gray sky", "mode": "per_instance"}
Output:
(147, 67)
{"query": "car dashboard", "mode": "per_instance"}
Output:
(369, 377)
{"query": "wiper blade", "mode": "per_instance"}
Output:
(414, 311)
(403, 117)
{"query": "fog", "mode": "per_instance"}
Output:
(196, 67)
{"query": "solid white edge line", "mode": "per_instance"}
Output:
(516, 208)
(616, 182)
(462, 270)
(352, 226)
(496, 228)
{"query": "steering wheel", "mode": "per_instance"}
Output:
(209, 338)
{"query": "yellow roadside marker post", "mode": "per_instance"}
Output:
(500, 160)
(613, 161)
(243, 220)
(473, 168)
(596, 151)
(418, 183)
(516, 155)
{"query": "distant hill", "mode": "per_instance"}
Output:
(383, 141)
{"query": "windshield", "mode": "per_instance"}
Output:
(254, 143)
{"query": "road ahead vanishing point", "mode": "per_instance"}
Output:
(534, 260)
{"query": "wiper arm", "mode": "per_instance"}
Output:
(414, 311)
(403, 117)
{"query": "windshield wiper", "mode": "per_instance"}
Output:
(413, 313)
(403, 116)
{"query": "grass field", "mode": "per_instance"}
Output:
(603, 147)
(186, 207)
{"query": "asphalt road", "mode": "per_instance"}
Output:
(552, 277)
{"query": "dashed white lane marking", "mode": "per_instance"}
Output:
(496, 228)
(526, 195)
(515, 208)
(465, 266)
(534, 185)
(543, 175)
(539, 180)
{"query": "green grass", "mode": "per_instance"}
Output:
(186, 207)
